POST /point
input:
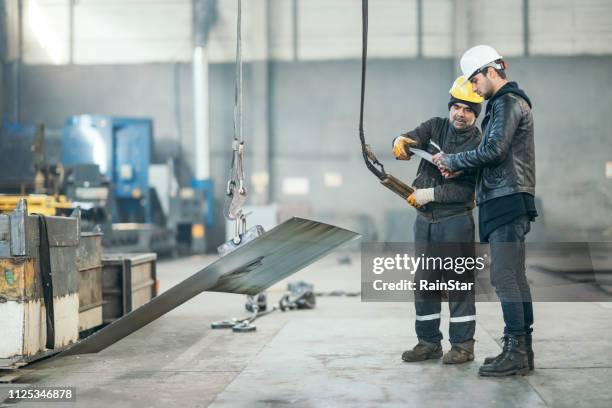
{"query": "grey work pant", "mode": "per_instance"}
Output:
(459, 230)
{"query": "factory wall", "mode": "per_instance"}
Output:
(9, 59)
(316, 167)
(50, 94)
(138, 31)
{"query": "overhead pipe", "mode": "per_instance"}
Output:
(204, 17)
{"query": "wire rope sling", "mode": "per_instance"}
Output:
(376, 167)
(236, 190)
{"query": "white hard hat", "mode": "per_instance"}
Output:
(476, 58)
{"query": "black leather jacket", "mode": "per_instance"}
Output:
(506, 155)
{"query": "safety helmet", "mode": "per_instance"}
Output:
(463, 91)
(476, 58)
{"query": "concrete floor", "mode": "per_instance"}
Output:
(344, 353)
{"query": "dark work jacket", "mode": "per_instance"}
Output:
(506, 156)
(452, 196)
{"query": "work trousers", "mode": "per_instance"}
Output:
(428, 235)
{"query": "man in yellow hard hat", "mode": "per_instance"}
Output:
(444, 208)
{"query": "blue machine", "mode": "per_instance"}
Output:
(121, 147)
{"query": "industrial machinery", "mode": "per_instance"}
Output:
(37, 204)
(118, 149)
(102, 165)
(34, 159)
(92, 192)
(35, 172)
(121, 148)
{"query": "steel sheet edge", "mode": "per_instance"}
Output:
(278, 253)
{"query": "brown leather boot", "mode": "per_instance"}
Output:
(423, 351)
(460, 353)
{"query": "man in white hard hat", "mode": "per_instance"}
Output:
(444, 216)
(505, 197)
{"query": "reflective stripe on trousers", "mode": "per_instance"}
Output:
(428, 317)
(456, 319)
(462, 319)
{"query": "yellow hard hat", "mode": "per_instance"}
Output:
(463, 90)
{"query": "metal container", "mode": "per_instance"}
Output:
(129, 281)
(23, 313)
(89, 265)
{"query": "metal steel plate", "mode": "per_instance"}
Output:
(249, 270)
(423, 154)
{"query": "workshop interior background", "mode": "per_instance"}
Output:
(133, 58)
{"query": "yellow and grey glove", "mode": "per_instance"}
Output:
(420, 197)
(401, 149)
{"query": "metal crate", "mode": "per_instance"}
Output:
(22, 307)
(129, 281)
(89, 265)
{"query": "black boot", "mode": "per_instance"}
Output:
(512, 360)
(528, 348)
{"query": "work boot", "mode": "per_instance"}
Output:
(459, 353)
(423, 351)
(528, 348)
(512, 360)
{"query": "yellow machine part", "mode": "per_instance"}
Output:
(37, 204)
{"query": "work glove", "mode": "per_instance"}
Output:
(401, 149)
(420, 197)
